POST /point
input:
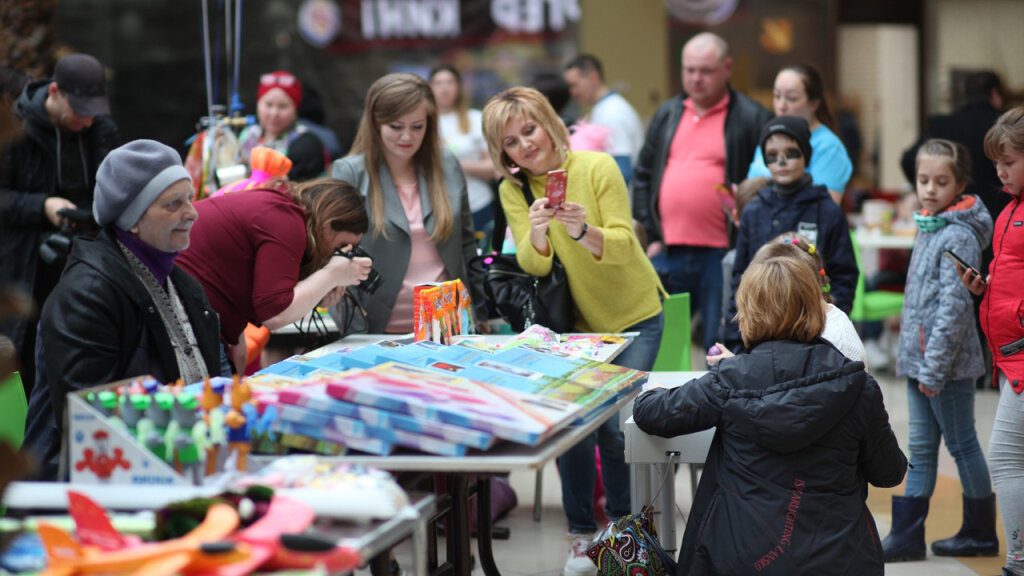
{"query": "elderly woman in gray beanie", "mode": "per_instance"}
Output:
(122, 307)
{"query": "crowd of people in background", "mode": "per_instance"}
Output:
(137, 271)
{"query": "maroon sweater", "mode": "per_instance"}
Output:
(246, 249)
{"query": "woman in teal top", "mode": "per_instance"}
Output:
(799, 91)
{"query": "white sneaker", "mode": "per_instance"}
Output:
(579, 564)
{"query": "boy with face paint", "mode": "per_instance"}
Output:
(793, 203)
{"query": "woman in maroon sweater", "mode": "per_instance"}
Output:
(265, 256)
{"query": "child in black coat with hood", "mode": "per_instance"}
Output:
(800, 431)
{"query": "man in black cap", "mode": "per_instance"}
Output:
(67, 132)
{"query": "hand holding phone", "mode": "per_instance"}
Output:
(952, 257)
(555, 188)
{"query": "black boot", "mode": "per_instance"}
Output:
(977, 535)
(906, 539)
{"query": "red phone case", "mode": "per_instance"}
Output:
(555, 187)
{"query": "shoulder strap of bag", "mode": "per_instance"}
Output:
(501, 222)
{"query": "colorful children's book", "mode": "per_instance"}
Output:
(315, 396)
(539, 371)
(352, 427)
(295, 367)
(368, 445)
(311, 445)
(522, 418)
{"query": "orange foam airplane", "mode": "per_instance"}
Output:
(203, 549)
(93, 527)
(275, 541)
(284, 523)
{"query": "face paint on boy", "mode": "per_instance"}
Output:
(784, 159)
(789, 154)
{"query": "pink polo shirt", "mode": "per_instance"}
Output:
(425, 264)
(690, 208)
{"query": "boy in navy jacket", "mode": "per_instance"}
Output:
(792, 203)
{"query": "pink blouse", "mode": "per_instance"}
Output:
(425, 263)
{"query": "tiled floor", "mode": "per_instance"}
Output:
(539, 548)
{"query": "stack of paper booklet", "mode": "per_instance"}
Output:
(438, 399)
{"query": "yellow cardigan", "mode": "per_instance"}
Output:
(610, 293)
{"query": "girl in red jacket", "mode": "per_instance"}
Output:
(1002, 319)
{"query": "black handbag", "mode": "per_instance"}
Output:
(521, 298)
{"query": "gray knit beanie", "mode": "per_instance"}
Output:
(131, 178)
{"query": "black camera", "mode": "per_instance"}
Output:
(56, 246)
(373, 279)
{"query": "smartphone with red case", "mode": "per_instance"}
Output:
(555, 188)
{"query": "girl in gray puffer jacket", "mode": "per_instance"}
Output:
(940, 354)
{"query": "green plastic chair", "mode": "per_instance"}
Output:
(674, 353)
(874, 305)
(13, 410)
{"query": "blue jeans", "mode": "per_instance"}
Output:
(225, 362)
(697, 270)
(578, 466)
(949, 415)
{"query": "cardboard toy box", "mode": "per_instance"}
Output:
(101, 452)
(102, 449)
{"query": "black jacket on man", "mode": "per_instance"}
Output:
(743, 121)
(800, 431)
(100, 325)
(44, 162)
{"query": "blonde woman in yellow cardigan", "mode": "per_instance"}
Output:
(613, 285)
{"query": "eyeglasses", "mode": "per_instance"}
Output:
(285, 80)
(790, 154)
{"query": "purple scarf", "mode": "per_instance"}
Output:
(158, 262)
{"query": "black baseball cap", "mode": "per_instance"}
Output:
(81, 78)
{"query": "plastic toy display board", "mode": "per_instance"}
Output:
(138, 431)
(101, 452)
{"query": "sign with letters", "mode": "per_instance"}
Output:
(403, 24)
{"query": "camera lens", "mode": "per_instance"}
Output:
(373, 279)
(54, 247)
(372, 282)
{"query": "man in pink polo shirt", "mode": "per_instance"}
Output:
(696, 144)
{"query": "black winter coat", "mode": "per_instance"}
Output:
(743, 122)
(800, 429)
(100, 325)
(44, 162)
(810, 212)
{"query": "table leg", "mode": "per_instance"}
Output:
(483, 526)
(380, 565)
(538, 489)
(458, 528)
(640, 484)
(668, 506)
(419, 548)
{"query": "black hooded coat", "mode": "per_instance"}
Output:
(801, 430)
